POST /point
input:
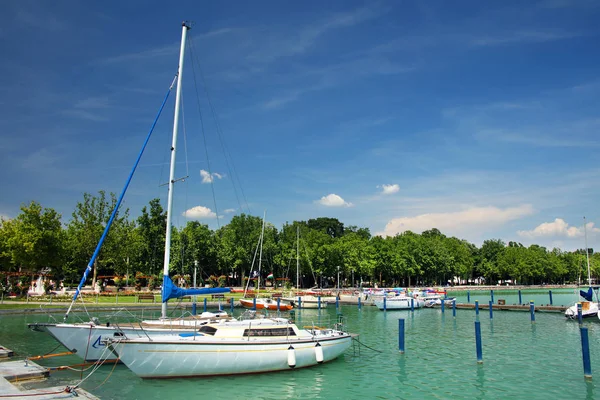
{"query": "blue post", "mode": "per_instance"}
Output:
(491, 309)
(454, 308)
(579, 314)
(231, 304)
(585, 352)
(337, 302)
(550, 293)
(384, 303)
(412, 304)
(476, 307)
(278, 303)
(478, 342)
(254, 304)
(194, 308)
(520, 302)
(359, 304)
(443, 305)
(401, 335)
(532, 311)
(468, 296)
(492, 294)
(319, 302)
(205, 304)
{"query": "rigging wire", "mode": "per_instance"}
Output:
(210, 174)
(229, 163)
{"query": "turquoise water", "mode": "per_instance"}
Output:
(521, 360)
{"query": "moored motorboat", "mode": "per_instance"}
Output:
(398, 303)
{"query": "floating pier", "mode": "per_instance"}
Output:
(12, 373)
(511, 307)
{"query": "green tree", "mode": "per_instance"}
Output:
(34, 240)
(85, 229)
(152, 226)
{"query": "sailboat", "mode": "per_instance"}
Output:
(589, 307)
(305, 300)
(87, 340)
(261, 303)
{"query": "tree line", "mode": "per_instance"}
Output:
(37, 239)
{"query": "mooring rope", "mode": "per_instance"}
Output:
(368, 347)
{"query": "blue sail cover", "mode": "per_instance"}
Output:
(589, 295)
(170, 291)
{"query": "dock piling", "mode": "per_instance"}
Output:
(585, 352)
(384, 303)
(476, 307)
(532, 311)
(401, 335)
(443, 305)
(412, 305)
(359, 304)
(231, 305)
(579, 314)
(194, 308)
(492, 295)
(468, 296)
(254, 304)
(454, 308)
(319, 302)
(205, 304)
(491, 309)
(478, 342)
(279, 303)
(520, 301)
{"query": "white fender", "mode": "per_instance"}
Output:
(291, 357)
(319, 353)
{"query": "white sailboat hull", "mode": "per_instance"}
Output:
(589, 309)
(205, 356)
(88, 340)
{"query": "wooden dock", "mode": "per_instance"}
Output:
(12, 373)
(508, 307)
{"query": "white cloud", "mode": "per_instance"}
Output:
(333, 200)
(390, 189)
(199, 212)
(229, 210)
(209, 178)
(473, 219)
(558, 228)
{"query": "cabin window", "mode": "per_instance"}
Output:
(270, 332)
(208, 330)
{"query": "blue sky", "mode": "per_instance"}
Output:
(477, 118)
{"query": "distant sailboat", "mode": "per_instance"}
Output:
(261, 303)
(589, 307)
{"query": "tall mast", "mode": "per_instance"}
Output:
(587, 253)
(262, 238)
(184, 29)
(297, 257)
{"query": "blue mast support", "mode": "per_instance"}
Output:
(114, 213)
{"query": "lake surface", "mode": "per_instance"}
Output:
(521, 360)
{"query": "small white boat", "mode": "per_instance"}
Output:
(398, 303)
(309, 301)
(589, 308)
(437, 301)
(231, 347)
